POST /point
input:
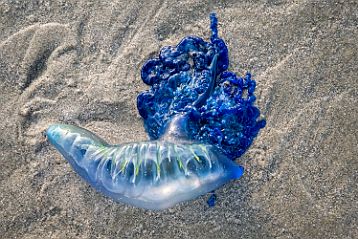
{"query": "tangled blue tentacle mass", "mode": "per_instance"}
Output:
(192, 78)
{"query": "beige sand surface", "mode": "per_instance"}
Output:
(79, 62)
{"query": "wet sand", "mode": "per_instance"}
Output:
(79, 62)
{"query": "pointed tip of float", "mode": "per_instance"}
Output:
(238, 171)
(62, 136)
(52, 133)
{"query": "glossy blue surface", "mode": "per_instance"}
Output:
(151, 174)
(199, 117)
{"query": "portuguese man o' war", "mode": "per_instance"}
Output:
(199, 118)
(153, 174)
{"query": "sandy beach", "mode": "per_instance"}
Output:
(78, 62)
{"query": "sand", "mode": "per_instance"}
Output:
(79, 62)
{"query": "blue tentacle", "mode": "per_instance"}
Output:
(190, 81)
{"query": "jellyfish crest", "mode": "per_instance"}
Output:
(153, 174)
(191, 80)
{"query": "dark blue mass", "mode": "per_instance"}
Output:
(191, 79)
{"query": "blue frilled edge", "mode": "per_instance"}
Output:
(224, 116)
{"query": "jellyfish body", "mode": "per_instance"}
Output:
(151, 174)
(199, 118)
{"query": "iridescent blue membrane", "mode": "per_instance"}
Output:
(199, 118)
(152, 174)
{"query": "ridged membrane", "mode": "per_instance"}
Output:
(150, 174)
